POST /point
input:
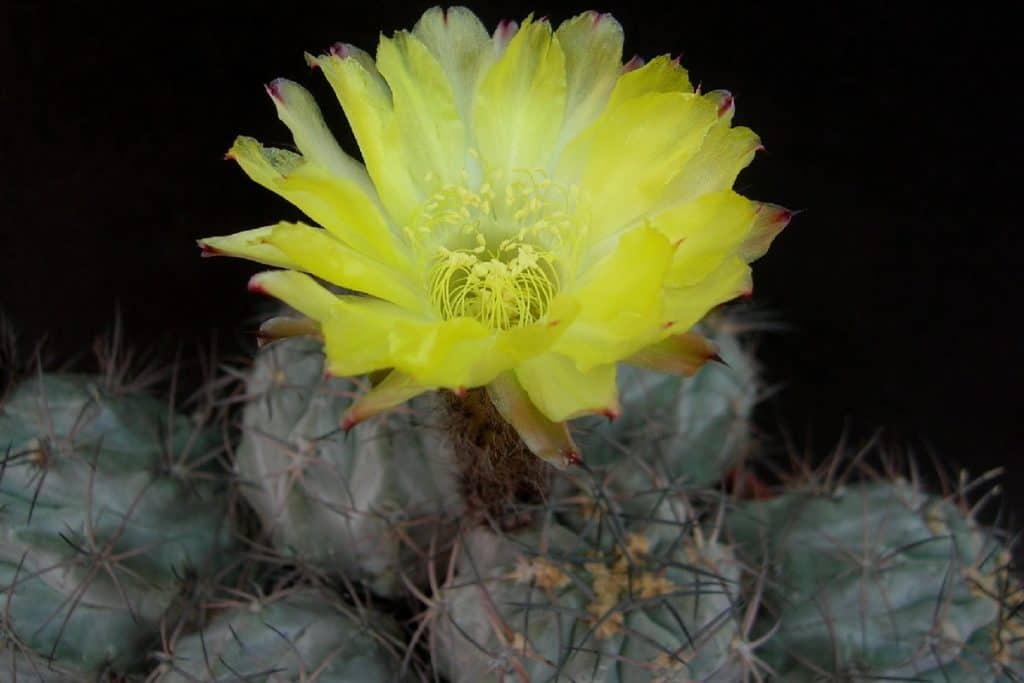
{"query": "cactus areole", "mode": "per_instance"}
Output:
(530, 210)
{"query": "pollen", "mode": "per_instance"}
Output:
(497, 251)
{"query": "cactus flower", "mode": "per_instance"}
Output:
(530, 211)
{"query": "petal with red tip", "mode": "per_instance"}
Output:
(706, 231)
(395, 389)
(248, 244)
(341, 205)
(299, 111)
(430, 131)
(520, 103)
(680, 354)
(660, 75)
(503, 35)
(298, 290)
(592, 44)
(768, 223)
(366, 99)
(548, 440)
(461, 45)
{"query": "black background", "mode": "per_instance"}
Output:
(895, 130)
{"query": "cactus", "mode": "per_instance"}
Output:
(879, 580)
(301, 634)
(108, 502)
(629, 569)
(22, 667)
(622, 600)
(685, 430)
(365, 504)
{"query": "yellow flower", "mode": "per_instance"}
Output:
(531, 212)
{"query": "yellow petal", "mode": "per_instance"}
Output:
(519, 106)
(561, 391)
(395, 389)
(592, 44)
(457, 353)
(431, 134)
(723, 154)
(299, 291)
(624, 160)
(548, 440)
(299, 111)
(620, 299)
(617, 284)
(443, 353)
(462, 352)
(660, 75)
(706, 230)
(363, 338)
(769, 222)
(680, 354)
(248, 244)
(515, 345)
(317, 252)
(461, 45)
(685, 306)
(362, 334)
(339, 204)
(366, 99)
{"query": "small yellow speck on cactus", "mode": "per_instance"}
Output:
(530, 210)
(540, 571)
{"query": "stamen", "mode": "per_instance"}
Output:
(500, 294)
(497, 252)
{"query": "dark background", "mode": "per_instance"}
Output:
(894, 129)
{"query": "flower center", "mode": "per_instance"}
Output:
(510, 288)
(498, 252)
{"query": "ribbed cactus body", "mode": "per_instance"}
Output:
(362, 504)
(552, 604)
(303, 634)
(875, 580)
(106, 506)
(19, 667)
(689, 430)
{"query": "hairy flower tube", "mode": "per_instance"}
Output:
(530, 211)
